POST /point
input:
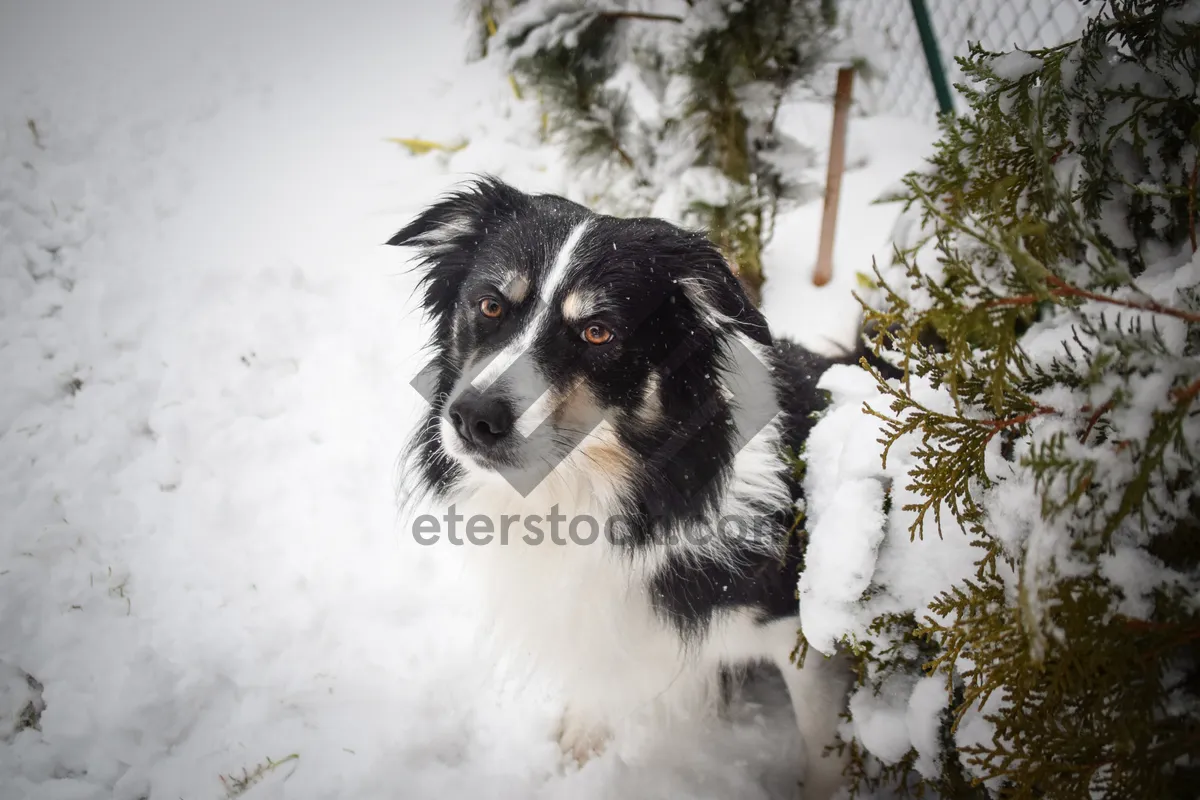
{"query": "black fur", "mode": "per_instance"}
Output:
(646, 266)
(691, 592)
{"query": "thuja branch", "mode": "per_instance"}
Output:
(1064, 289)
(998, 425)
(1060, 287)
(1093, 419)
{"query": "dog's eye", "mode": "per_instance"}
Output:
(597, 334)
(490, 307)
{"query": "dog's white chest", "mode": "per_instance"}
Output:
(580, 617)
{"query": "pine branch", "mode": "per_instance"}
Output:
(639, 15)
(621, 154)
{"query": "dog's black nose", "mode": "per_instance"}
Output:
(481, 419)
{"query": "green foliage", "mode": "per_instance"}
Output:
(716, 78)
(765, 47)
(237, 785)
(483, 17)
(571, 66)
(1054, 300)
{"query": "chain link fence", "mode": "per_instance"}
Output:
(902, 84)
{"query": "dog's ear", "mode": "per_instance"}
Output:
(460, 216)
(447, 236)
(719, 297)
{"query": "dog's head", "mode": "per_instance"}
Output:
(569, 343)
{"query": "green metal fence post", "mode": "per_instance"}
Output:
(932, 57)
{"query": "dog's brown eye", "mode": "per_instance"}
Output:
(490, 308)
(597, 334)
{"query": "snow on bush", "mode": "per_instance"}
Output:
(1026, 616)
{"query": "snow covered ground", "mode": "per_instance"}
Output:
(205, 357)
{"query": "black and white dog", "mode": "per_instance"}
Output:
(610, 377)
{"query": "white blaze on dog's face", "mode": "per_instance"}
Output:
(534, 342)
(569, 340)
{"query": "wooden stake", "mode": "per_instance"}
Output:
(833, 179)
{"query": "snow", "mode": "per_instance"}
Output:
(975, 730)
(1139, 575)
(926, 704)
(853, 547)
(20, 701)
(539, 27)
(879, 152)
(847, 522)
(207, 355)
(878, 720)
(1014, 65)
(708, 185)
(905, 713)
(840, 561)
